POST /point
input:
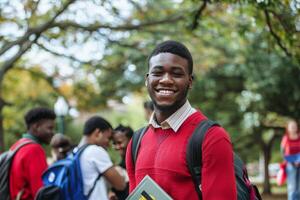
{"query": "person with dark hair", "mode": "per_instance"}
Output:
(162, 150)
(148, 108)
(60, 146)
(95, 160)
(121, 137)
(28, 164)
(290, 148)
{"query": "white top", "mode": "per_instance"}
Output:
(176, 119)
(94, 160)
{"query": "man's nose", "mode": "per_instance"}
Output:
(166, 78)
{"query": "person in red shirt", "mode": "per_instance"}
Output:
(162, 152)
(30, 161)
(290, 147)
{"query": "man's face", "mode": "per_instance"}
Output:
(45, 130)
(168, 81)
(104, 138)
(120, 142)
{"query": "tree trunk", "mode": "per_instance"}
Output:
(267, 157)
(267, 150)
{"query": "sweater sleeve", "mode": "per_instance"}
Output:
(36, 165)
(130, 168)
(218, 179)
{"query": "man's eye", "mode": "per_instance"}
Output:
(177, 74)
(156, 73)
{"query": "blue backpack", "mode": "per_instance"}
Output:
(63, 179)
(245, 189)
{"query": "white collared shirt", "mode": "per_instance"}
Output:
(176, 119)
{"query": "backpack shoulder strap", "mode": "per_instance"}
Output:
(78, 150)
(194, 152)
(13, 152)
(78, 153)
(92, 189)
(136, 141)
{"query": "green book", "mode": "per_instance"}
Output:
(148, 189)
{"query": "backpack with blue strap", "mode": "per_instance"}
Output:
(245, 189)
(63, 179)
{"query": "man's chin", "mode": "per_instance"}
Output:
(165, 107)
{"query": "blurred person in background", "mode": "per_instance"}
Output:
(290, 147)
(29, 163)
(60, 146)
(121, 137)
(96, 165)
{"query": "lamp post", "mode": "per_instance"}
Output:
(61, 109)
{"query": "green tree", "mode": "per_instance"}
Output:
(60, 27)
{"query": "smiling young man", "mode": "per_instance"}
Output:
(162, 152)
(29, 162)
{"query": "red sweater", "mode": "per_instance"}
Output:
(290, 146)
(162, 155)
(26, 170)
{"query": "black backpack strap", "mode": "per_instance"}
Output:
(92, 189)
(136, 141)
(194, 152)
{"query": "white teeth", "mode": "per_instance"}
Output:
(166, 92)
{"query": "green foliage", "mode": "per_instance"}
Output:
(31, 92)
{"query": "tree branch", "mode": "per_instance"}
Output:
(33, 11)
(137, 6)
(126, 45)
(280, 19)
(63, 55)
(276, 37)
(37, 30)
(198, 15)
(129, 27)
(9, 63)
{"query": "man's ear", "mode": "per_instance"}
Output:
(35, 126)
(96, 132)
(146, 79)
(191, 81)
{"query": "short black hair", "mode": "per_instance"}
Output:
(95, 122)
(37, 114)
(124, 129)
(174, 47)
(149, 105)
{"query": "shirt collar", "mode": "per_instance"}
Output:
(32, 137)
(176, 119)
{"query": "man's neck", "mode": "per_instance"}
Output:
(163, 114)
(31, 136)
(85, 140)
